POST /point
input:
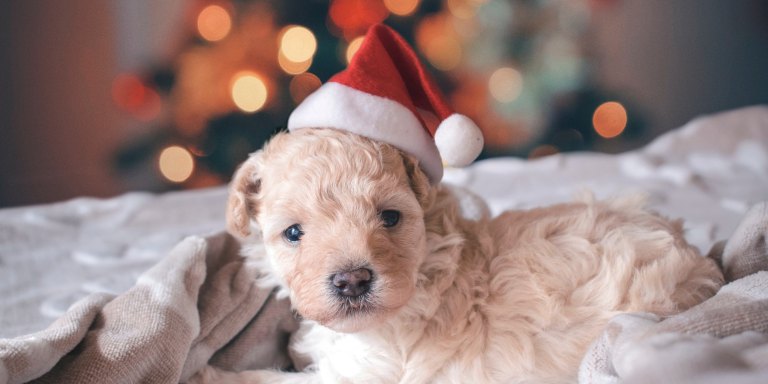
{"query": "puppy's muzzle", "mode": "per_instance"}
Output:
(353, 283)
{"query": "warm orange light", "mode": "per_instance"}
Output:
(176, 164)
(214, 23)
(131, 94)
(505, 84)
(401, 7)
(302, 85)
(249, 91)
(297, 43)
(444, 53)
(291, 67)
(610, 119)
(128, 92)
(438, 40)
(352, 48)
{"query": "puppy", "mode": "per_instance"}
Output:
(395, 286)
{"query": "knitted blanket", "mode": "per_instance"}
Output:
(198, 304)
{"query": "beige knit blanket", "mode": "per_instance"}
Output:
(201, 305)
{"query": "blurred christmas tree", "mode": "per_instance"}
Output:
(519, 68)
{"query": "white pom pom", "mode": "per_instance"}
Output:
(459, 140)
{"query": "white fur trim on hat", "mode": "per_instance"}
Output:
(338, 106)
(459, 140)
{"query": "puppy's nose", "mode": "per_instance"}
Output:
(353, 283)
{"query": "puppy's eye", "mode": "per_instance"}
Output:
(390, 217)
(293, 233)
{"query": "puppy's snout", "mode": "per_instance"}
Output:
(352, 283)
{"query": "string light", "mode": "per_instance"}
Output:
(297, 44)
(352, 48)
(290, 67)
(609, 119)
(176, 164)
(445, 41)
(249, 91)
(214, 23)
(505, 84)
(401, 7)
(445, 53)
(439, 42)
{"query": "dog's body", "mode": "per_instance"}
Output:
(445, 299)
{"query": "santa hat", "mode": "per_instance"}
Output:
(387, 95)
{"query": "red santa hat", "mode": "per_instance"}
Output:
(387, 95)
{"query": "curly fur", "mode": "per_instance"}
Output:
(512, 299)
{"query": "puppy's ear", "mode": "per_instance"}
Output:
(419, 181)
(242, 204)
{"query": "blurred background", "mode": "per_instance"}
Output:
(100, 97)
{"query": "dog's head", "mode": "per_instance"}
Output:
(342, 220)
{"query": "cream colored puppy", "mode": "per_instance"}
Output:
(394, 286)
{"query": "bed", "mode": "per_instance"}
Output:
(71, 273)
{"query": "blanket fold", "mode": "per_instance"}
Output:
(199, 304)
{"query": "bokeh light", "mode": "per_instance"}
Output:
(128, 92)
(402, 7)
(176, 164)
(131, 95)
(445, 54)
(352, 48)
(438, 40)
(291, 67)
(505, 84)
(297, 43)
(302, 85)
(609, 119)
(249, 91)
(214, 23)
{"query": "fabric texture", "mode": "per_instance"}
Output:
(199, 304)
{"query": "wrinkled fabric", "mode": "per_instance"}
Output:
(199, 303)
